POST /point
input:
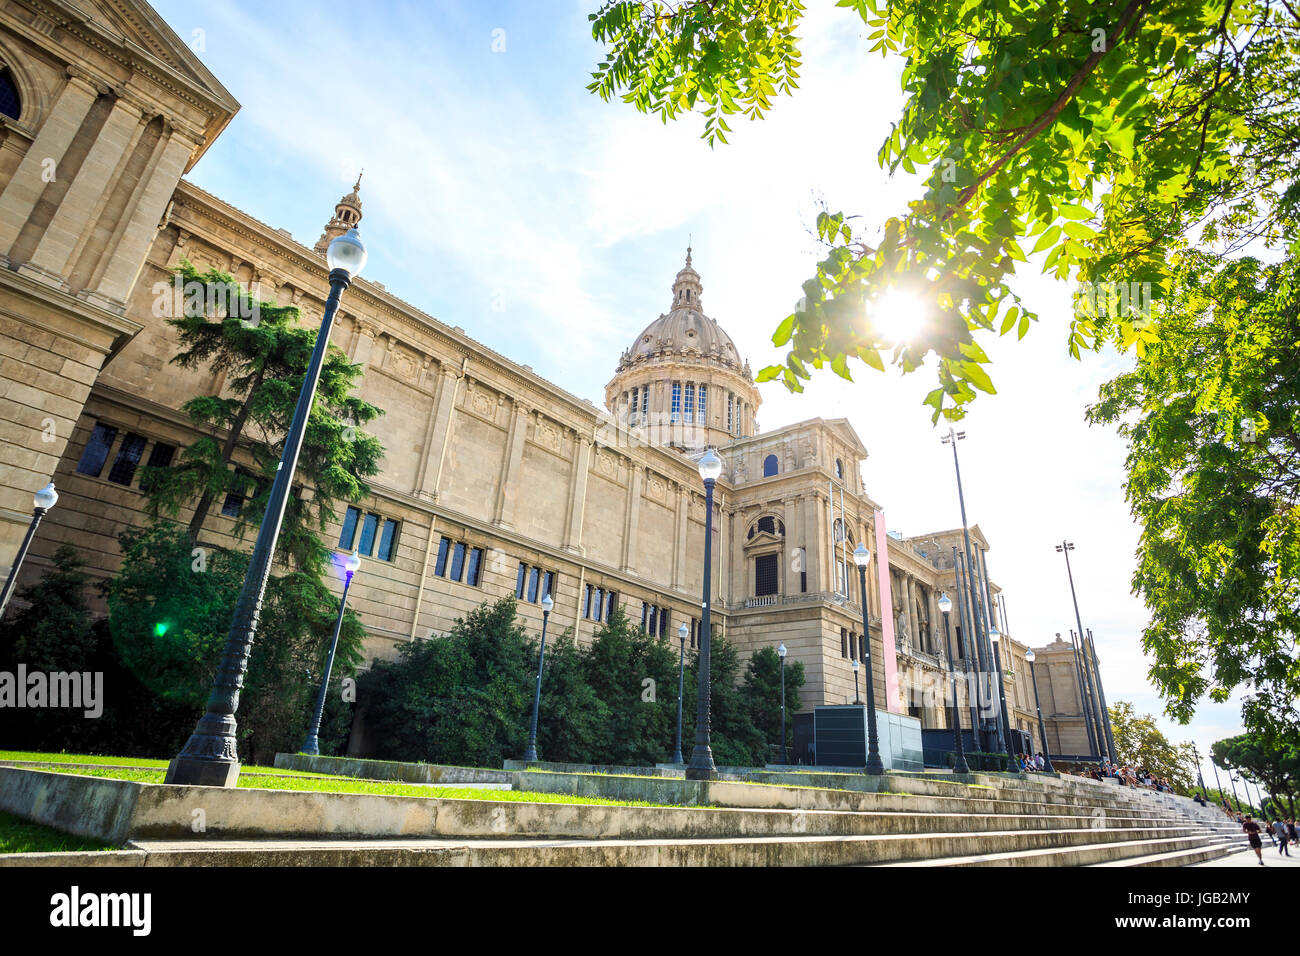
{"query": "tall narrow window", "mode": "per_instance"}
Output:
(663, 622)
(549, 585)
(444, 552)
(862, 647)
(770, 466)
(645, 614)
(96, 451)
(534, 578)
(236, 497)
(844, 642)
(765, 574)
(676, 415)
(702, 407)
(474, 571)
(731, 412)
(586, 602)
(689, 408)
(388, 540)
(599, 611)
(457, 561)
(160, 456)
(654, 620)
(349, 533)
(519, 581)
(631, 419)
(611, 598)
(11, 104)
(368, 529)
(645, 404)
(128, 456)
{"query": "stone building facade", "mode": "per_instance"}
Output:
(496, 481)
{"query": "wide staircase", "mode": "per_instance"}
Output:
(757, 818)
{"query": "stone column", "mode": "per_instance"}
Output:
(57, 132)
(915, 634)
(508, 490)
(364, 344)
(679, 538)
(437, 432)
(632, 516)
(578, 494)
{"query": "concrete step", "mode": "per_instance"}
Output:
(1191, 857)
(1065, 855)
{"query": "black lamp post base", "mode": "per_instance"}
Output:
(874, 765)
(202, 772)
(311, 748)
(702, 766)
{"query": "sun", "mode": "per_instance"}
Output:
(897, 316)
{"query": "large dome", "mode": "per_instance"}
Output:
(685, 330)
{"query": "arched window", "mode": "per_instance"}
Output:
(839, 469)
(769, 466)
(768, 524)
(11, 104)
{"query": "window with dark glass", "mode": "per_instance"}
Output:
(388, 540)
(444, 552)
(839, 469)
(676, 414)
(534, 579)
(598, 611)
(549, 585)
(11, 103)
(844, 642)
(238, 494)
(368, 529)
(474, 570)
(128, 456)
(96, 451)
(160, 456)
(457, 561)
(769, 466)
(520, 580)
(586, 602)
(654, 620)
(862, 647)
(765, 575)
(611, 598)
(349, 534)
(664, 622)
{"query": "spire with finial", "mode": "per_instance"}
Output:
(347, 214)
(687, 288)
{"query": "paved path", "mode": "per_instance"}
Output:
(1247, 858)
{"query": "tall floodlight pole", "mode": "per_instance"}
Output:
(1042, 728)
(210, 757)
(44, 500)
(952, 438)
(312, 744)
(1199, 776)
(1065, 547)
(973, 695)
(959, 756)
(701, 766)
(1004, 723)
(1101, 698)
(531, 753)
(1218, 784)
(861, 556)
(995, 638)
(1093, 707)
(1084, 704)
(681, 687)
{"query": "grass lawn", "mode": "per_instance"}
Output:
(20, 836)
(254, 781)
(149, 762)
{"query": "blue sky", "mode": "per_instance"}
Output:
(493, 177)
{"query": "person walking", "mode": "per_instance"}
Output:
(1283, 837)
(1295, 837)
(1251, 829)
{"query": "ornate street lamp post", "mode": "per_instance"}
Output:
(857, 698)
(210, 757)
(781, 652)
(531, 753)
(1106, 741)
(1200, 776)
(44, 500)
(701, 766)
(860, 557)
(682, 631)
(995, 638)
(312, 744)
(1042, 728)
(959, 757)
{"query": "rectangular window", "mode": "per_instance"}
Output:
(128, 457)
(645, 404)
(368, 528)
(598, 610)
(549, 585)
(803, 582)
(457, 561)
(235, 498)
(388, 540)
(844, 642)
(96, 451)
(611, 597)
(695, 629)
(654, 620)
(664, 626)
(702, 408)
(534, 578)
(444, 551)
(731, 412)
(586, 603)
(631, 419)
(765, 575)
(862, 647)
(645, 614)
(160, 456)
(689, 408)
(676, 403)
(349, 529)
(474, 573)
(519, 581)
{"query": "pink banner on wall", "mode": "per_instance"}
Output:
(887, 616)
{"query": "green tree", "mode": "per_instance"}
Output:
(1097, 133)
(762, 693)
(1140, 743)
(1210, 417)
(261, 362)
(638, 731)
(1275, 764)
(53, 630)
